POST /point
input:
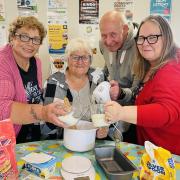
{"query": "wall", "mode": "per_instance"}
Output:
(141, 10)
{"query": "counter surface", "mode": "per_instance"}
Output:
(55, 147)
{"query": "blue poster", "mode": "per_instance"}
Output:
(161, 7)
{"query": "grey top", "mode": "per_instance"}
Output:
(82, 101)
(56, 87)
(119, 66)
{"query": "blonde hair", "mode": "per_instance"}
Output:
(168, 51)
(78, 44)
(30, 22)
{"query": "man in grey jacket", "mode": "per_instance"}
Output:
(118, 48)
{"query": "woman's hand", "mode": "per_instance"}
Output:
(51, 112)
(113, 112)
(102, 132)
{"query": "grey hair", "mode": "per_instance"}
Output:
(168, 51)
(114, 16)
(78, 44)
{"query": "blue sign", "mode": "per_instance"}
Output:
(161, 7)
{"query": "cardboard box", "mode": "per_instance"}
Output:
(41, 164)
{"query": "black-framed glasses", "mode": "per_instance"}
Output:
(152, 39)
(25, 38)
(84, 58)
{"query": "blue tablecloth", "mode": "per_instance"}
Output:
(55, 147)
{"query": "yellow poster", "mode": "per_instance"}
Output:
(2, 10)
(57, 38)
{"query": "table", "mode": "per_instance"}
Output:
(55, 147)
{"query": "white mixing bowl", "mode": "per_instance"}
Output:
(80, 139)
(68, 119)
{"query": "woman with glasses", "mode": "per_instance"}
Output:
(157, 110)
(21, 80)
(76, 83)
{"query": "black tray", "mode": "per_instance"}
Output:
(114, 163)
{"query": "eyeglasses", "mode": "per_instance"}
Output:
(84, 58)
(25, 38)
(152, 39)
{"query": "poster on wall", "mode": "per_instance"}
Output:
(57, 38)
(57, 17)
(89, 32)
(3, 39)
(126, 7)
(58, 63)
(162, 8)
(27, 7)
(57, 33)
(2, 10)
(57, 4)
(57, 12)
(88, 11)
(88, 22)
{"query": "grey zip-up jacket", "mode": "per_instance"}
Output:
(118, 66)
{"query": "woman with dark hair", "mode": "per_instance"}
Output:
(157, 109)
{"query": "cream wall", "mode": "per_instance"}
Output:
(141, 10)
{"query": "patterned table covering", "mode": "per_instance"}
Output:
(55, 147)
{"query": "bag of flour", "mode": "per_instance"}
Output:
(157, 163)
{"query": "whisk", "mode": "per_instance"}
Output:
(117, 135)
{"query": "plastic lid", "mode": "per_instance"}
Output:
(76, 164)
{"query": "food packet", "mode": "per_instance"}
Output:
(8, 166)
(67, 106)
(157, 164)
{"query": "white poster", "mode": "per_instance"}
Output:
(90, 32)
(57, 12)
(27, 7)
(126, 7)
(58, 63)
(57, 4)
(57, 16)
(3, 39)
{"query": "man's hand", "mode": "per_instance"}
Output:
(115, 90)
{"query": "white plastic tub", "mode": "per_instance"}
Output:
(80, 139)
